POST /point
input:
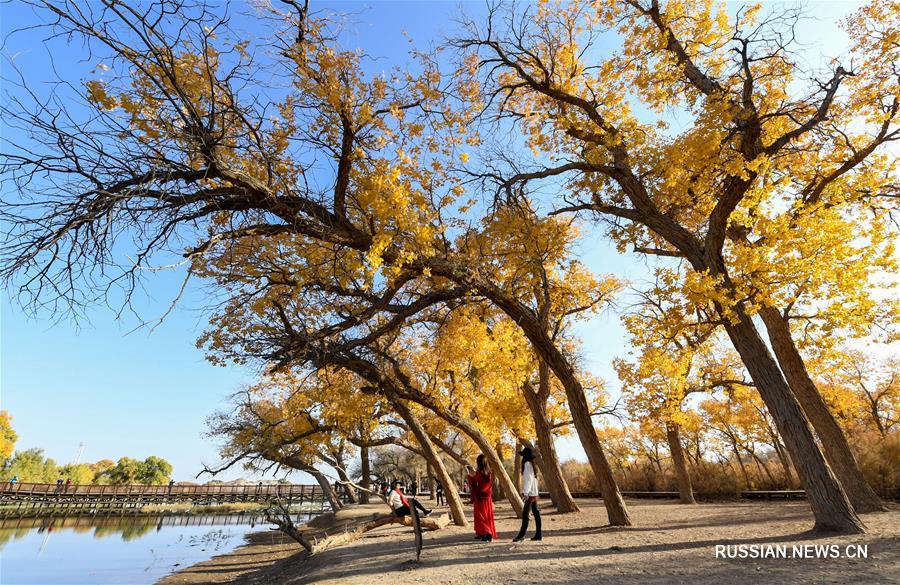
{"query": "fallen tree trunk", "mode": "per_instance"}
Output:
(349, 536)
(316, 541)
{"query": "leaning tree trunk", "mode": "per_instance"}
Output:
(366, 469)
(829, 503)
(345, 482)
(546, 349)
(763, 468)
(783, 458)
(451, 491)
(737, 456)
(785, 464)
(333, 500)
(481, 441)
(337, 462)
(510, 491)
(685, 489)
(553, 477)
(616, 510)
(834, 442)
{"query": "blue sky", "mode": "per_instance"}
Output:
(141, 393)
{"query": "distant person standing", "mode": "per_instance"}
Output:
(530, 495)
(59, 485)
(14, 480)
(414, 488)
(439, 491)
(68, 484)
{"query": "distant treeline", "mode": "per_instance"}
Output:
(30, 465)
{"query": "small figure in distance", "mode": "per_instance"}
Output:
(439, 491)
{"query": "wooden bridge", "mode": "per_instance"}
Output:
(39, 498)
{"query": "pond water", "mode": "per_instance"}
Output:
(115, 550)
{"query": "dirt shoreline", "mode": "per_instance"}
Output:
(670, 543)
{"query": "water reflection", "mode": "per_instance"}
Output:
(127, 527)
(116, 549)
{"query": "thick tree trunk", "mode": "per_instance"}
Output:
(510, 491)
(451, 491)
(827, 499)
(616, 510)
(834, 442)
(550, 467)
(685, 489)
(365, 466)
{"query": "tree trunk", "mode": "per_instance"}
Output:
(351, 495)
(517, 465)
(510, 491)
(326, 486)
(763, 467)
(448, 449)
(737, 455)
(616, 510)
(546, 349)
(685, 489)
(366, 470)
(785, 462)
(482, 442)
(833, 440)
(827, 499)
(451, 491)
(430, 477)
(553, 477)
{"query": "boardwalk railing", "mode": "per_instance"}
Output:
(185, 491)
(749, 495)
(24, 498)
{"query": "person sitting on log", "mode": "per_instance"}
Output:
(399, 503)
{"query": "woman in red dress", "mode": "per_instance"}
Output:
(481, 485)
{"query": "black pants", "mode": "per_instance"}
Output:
(440, 498)
(404, 510)
(532, 505)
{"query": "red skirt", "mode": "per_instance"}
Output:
(484, 517)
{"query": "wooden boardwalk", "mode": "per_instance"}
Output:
(747, 495)
(42, 498)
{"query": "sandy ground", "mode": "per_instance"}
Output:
(669, 543)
